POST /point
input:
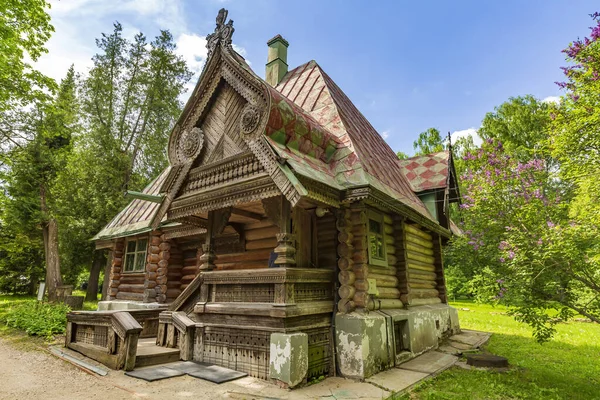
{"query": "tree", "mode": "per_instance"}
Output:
(44, 134)
(24, 29)
(525, 251)
(575, 139)
(521, 124)
(130, 102)
(402, 155)
(429, 141)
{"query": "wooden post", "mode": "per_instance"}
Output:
(206, 261)
(285, 249)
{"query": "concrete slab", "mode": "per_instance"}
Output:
(340, 388)
(459, 345)
(430, 363)
(472, 338)
(396, 379)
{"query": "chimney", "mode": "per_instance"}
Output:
(277, 62)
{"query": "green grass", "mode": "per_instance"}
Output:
(567, 367)
(24, 314)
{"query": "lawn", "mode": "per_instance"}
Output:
(567, 367)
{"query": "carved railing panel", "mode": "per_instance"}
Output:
(105, 336)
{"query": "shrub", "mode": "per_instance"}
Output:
(37, 318)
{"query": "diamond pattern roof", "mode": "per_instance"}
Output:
(426, 172)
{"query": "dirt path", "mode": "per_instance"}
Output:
(31, 374)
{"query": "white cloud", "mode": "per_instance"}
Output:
(385, 134)
(465, 133)
(552, 99)
(192, 48)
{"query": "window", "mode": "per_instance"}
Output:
(135, 255)
(377, 253)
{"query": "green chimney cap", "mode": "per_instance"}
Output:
(278, 38)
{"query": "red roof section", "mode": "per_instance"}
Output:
(426, 172)
(312, 89)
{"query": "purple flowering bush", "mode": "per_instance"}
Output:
(520, 242)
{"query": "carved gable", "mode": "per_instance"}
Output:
(220, 126)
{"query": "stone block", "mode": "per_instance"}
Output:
(289, 358)
(363, 344)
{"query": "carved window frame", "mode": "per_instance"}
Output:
(376, 239)
(135, 253)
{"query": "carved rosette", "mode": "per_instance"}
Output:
(285, 250)
(250, 119)
(190, 144)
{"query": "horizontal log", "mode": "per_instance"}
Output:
(130, 296)
(382, 304)
(387, 219)
(423, 293)
(390, 249)
(392, 259)
(361, 271)
(389, 240)
(343, 250)
(128, 279)
(345, 237)
(165, 246)
(187, 278)
(270, 243)
(258, 224)
(344, 263)
(419, 249)
(153, 250)
(173, 293)
(361, 299)
(387, 293)
(262, 233)
(420, 274)
(155, 240)
(153, 258)
(375, 269)
(173, 283)
(415, 230)
(418, 257)
(346, 306)
(327, 232)
(420, 266)
(388, 229)
(191, 270)
(252, 255)
(422, 302)
(418, 241)
(346, 291)
(164, 255)
(346, 278)
(384, 280)
(358, 217)
(419, 284)
(361, 285)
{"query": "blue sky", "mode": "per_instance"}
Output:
(407, 65)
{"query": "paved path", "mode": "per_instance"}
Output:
(35, 375)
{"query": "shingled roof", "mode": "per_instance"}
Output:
(363, 157)
(427, 172)
(136, 217)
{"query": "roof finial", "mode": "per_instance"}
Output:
(222, 34)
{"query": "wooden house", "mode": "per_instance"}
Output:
(283, 240)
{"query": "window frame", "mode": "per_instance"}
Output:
(373, 259)
(136, 254)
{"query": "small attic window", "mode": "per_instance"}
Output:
(377, 253)
(135, 255)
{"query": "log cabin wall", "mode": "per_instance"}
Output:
(174, 271)
(258, 242)
(387, 282)
(421, 252)
(115, 269)
(326, 241)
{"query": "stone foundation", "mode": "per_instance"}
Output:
(371, 342)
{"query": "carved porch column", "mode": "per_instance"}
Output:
(286, 247)
(206, 262)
